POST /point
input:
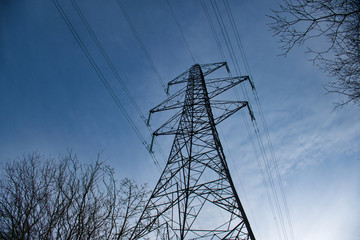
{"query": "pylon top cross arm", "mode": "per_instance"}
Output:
(206, 68)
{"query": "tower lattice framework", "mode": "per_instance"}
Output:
(195, 197)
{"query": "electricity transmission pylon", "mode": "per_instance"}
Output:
(195, 197)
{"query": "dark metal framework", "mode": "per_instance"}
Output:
(195, 197)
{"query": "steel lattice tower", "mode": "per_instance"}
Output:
(195, 197)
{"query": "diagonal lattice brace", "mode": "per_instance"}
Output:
(195, 197)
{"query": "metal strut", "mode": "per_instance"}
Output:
(195, 197)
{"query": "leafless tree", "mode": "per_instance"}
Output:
(41, 198)
(336, 21)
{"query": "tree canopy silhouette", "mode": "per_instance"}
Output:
(41, 198)
(336, 21)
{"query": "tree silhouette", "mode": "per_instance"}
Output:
(41, 198)
(336, 21)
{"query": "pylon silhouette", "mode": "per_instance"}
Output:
(195, 197)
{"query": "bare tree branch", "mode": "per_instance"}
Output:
(335, 21)
(41, 198)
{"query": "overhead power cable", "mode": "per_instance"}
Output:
(258, 136)
(114, 71)
(262, 167)
(237, 68)
(213, 30)
(179, 27)
(137, 36)
(108, 61)
(273, 157)
(225, 35)
(232, 55)
(238, 176)
(101, 76)
(237, 37)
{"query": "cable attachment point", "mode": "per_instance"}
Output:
(227, 68)
(167, 89)
(251, 83)
(152, 143)
(148, 120)
(251, 112)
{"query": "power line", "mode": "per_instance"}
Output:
(274, 160)
(262, 149)
(128, 19)
(113, 69)
(236, 64)
(225, 36)
(108, 61)
(182, 33)
(261, 168)
(238, 175)
(232, 55)
(206, 11)
(100, 74)
(138, 38)
(234, 59)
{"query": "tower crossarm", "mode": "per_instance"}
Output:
(170, 126)
(195, 197)
(206, 68)
(211, 67)
(219, 85)
(228, 108)
(173, 102)
(215, 86)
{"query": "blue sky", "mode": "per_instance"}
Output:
(52, 100)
